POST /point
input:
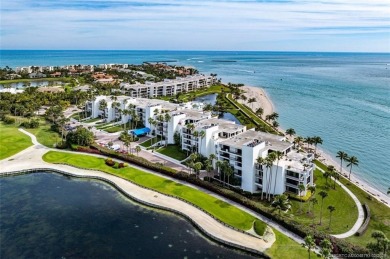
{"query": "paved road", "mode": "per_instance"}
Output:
(44, 149)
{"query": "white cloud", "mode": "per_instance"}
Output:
(175, 24)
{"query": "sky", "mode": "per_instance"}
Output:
(268, 25)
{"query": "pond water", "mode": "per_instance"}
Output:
(212, 99)
(46, 215)
(22, 85)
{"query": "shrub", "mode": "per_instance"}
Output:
(30, 125)
(61, 145)
(121, 165)
(340, 246)
(259, 227)
(8, 120)
(109, 162)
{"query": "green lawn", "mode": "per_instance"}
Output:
(250, 114)
(44, 134)
(62, 79)
(148, 142)
(12, 141)
(380, 213)
(113, 129)
(285, 247)
(220, 209)
(343, 218)
(205, 91)
(92, 120)
(173, 151)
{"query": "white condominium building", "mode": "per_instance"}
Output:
(168, 87)
(201, 133)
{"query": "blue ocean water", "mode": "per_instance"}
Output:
(342, 97)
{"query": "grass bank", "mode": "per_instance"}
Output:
(380, 213)
(285, 247)
(219, 209)
(173, 151)
(252, 116)
(44, 134)
(25, 80)
(343, 218)
(12, 141)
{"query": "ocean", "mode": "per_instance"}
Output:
(342, 97)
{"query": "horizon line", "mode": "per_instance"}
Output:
(171, 50)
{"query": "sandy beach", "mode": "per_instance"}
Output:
(362, 184)
(265, 102)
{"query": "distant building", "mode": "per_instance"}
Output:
(167, 87)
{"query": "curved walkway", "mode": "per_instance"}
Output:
(31, 158)
(266, 220)
(359, 206)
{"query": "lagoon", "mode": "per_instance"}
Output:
(46, 215)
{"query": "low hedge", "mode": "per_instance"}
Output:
(364, 226)
(339, 245)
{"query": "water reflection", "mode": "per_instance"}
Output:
(47, 215)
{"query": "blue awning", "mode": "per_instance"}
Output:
(140, 132)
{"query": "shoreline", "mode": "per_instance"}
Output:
(211, 227)
(363, 184)
(263, 99)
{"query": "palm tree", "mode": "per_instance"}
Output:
(326, 248)
(309, 141)
(259, 112)
(388, 190)
(103, 106)
(202, 135)
(196, 136)
(313, 202)
(219, 166)
(278, 156)
(209, 167)
(137, 149)
(252, 100)
(351, 162)
(270, 161)
(301, 188)
(275, 124)
(167, 118)
(343, 157)
(151, 123)
(316, 140)
(309, 243)
(331, 209)
(261, 162)
(297, 141)
(323, 195)
(290, 132)
(197, 167)
(281, 203)
(312, 190)
(274, 116)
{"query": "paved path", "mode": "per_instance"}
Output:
(359, 206)
(32, 158)
(268, 221)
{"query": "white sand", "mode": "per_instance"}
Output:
(265, 102)
(362, 184)
(262, 99)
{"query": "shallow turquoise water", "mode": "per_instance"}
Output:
(47, 215)
(342, 97)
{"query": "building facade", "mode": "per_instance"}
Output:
(202, 133)
(168, 87)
